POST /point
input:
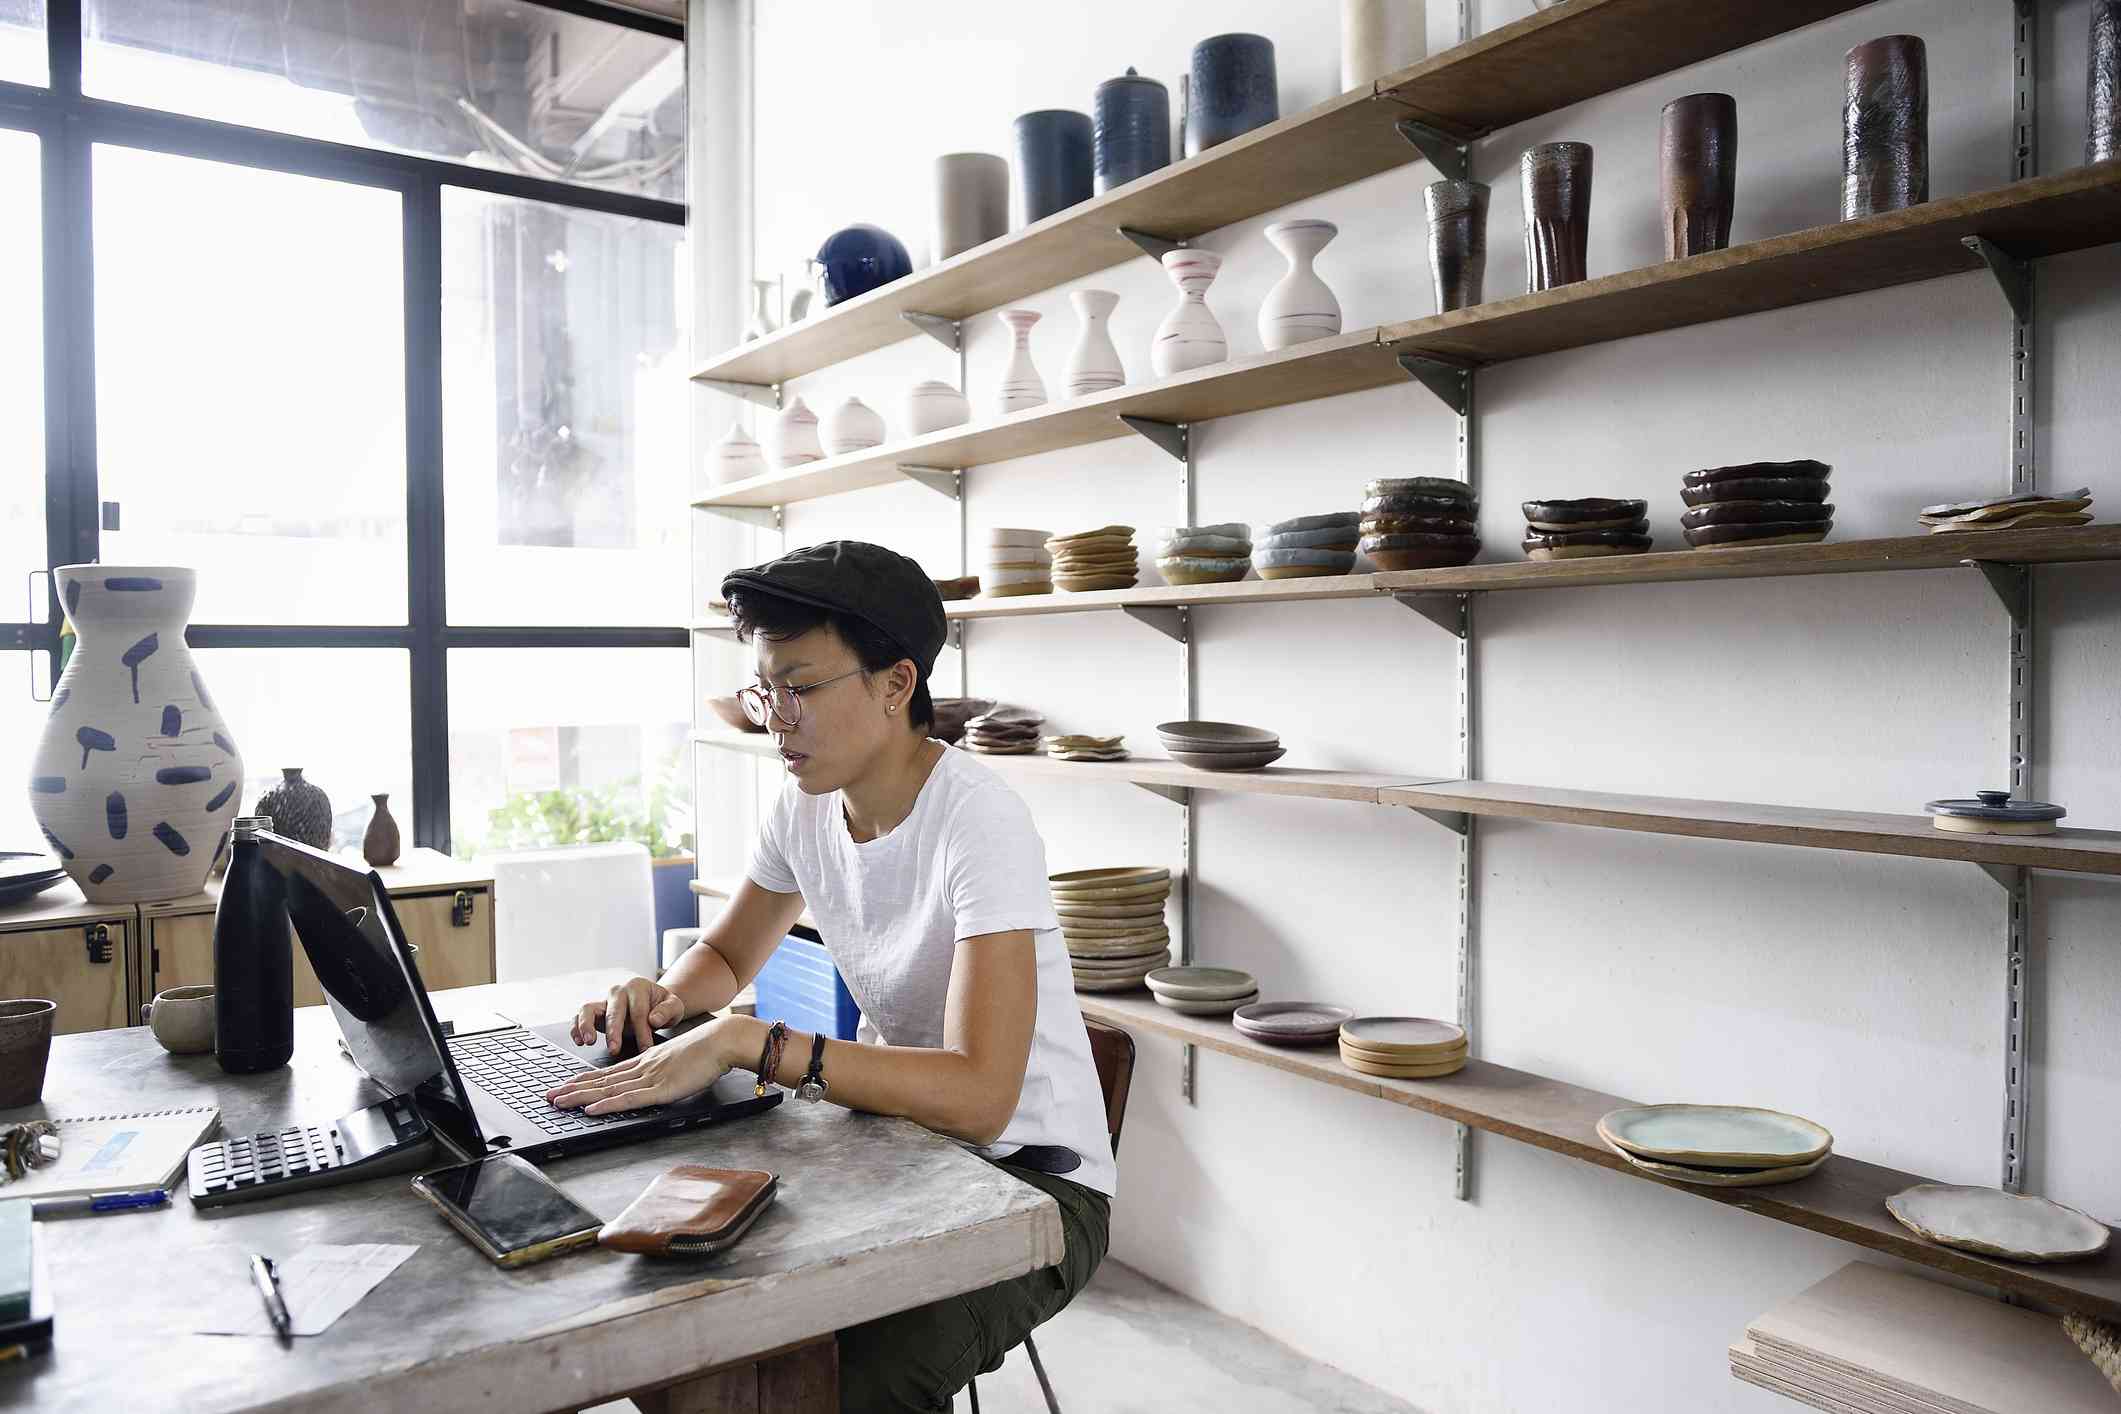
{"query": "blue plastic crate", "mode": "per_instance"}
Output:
(799, 985)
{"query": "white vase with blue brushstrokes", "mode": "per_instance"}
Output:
(136, 777)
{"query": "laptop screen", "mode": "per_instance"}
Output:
(356, 948)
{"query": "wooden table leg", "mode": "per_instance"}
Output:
(802, 1379)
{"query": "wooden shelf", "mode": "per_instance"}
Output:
(2036, 217)
(1537, 65)
(1911, 836)
(1845, 1199)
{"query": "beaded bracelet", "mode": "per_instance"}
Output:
(770, 1057)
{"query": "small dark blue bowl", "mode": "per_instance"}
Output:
(1233, 89)
(860, 258)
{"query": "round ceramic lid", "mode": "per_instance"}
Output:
(1996, 805)
(1387, 1034)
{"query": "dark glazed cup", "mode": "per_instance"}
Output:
(1885, 127)
(1133, 129)
(1458, 241)
(25, 1048)
(1232, 89)
(1556, 177)
(2102, 89)
(1699, 166)
(1052, 161)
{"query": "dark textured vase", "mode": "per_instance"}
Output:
(1556, 179)
(1052, 161)
(1458, 241)
(1698, 149)
(299, 810)
(1885, 127)
(857, 259)
(1133, 129)
(2102, 88)
(380, 845)
(1231, 89)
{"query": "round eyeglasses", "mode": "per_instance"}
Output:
(786, 703)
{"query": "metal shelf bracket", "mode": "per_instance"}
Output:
(1174, 437)
(1177, 795)
(1447, 379)
(1446, 611)
(942, 480)
(2012, 584)
(1170, 622)
(764, 394)
(947, 332)
(1155, 247)
(1458, 822)
(1450, 156)
(764, 517)
(2013, 276)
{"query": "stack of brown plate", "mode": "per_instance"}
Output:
(1220, 746)
(1403, 1047)
(1419, 522)
(2011, 512)
(1757, 503)
(1006, 731)
(1017, 563)
(961, 588)
(951, 714)
(1113, 921)
(1094, 559)
(1086, 748)
(1585, 528)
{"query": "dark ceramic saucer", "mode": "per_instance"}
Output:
(1584, 513)
(1755, 513)
(1746, 471)
(1634, 537)
(1445, 486)
(1391, 523)
(1756, 488)
(1420, 552)
(1409, 504)
(1774, 532)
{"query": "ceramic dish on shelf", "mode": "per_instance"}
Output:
(1433, 1065)
(1997, 1224)
(1211, 748)
(1705, 1177)
(1146, 904)
(1202, 984)
(1222, 1007)
(1116, 894)
(1213, 734)
(1204, 569)
(1993, 812)
(1137, 964)
(1407, 1037)
(1109, 878)
(1715, 1136)
(732, 713)
(1584, 513)
(1302, 564)
(1291, 1023)
(1228, 760)
(1383, 1057)
(1387, 1071)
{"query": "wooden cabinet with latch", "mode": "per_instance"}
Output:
(79, 954)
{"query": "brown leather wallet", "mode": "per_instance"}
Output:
(691, 1211)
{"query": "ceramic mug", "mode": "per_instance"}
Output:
(182, 1019)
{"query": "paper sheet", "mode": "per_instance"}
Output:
(319, 1284)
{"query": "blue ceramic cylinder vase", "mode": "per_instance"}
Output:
(1232, 89)
(859, 258)
(1052, 162)
(1133, 129)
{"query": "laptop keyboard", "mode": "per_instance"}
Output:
(517, 1068)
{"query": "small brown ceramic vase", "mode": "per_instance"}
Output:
(2102, 88)
(1885, 127)
(1458, 241)
(25, 1048)
(1699, 164)
(1556, 179)
(381, 844)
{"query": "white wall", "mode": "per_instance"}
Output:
(1864, 992)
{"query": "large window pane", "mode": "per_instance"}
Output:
(557, 746)
(250, 386)
(21, 369)
(344, 715)
(563, 396)
(509, 86)
(22, 48)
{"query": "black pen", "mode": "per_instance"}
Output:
(267, 1278)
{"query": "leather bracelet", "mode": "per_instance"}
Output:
(770, 1057)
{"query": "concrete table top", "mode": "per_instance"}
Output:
(874, 1215)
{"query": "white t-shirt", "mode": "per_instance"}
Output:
(967, 861)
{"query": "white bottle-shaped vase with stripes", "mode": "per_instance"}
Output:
(1299, 307)
(1189, 337)
(1021, 386)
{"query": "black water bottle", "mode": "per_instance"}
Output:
(254, 966)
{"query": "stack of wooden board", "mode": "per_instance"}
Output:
(1872, 1341)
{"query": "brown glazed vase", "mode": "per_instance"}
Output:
(1556, 178)
(2102, 89)
(380, 845)
(1458, 241)
(1699, 166)
(1885, 127)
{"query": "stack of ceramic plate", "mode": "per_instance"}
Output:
(1113, 921)
(1086, 748)
(1220, 746)
(1292, 1023)
(1717, 1146)
(1094, 559)
(22, 875)
(1017, 563)
(1203, 991)
(1307, 547)
(1403, 1047)
(1994, 812)
(1006, 731)
(951, 714)
(1586, 528)
(2011, 512)
(1757, 503)
(1419, 522)
(1205, 554)
(961, 588)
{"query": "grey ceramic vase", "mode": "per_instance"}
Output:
(1052, 161)
(1885, 127)
(1131, 136)
(1698, 163)
(299, 810)
(1231, 90)
(971, 204)
(380, 844)
(1556, 179)
(1458, 241)
(2102, 88)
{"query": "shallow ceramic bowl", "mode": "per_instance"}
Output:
(1192, 570)
(1755, 513)
(1417, 486)
(1767, 533)
(1715, 1136)
(1321, 561)
(1227, 760)
(1202, 984)
(1148, 906)
(1183, 1007)
(1997, 1224)
(1394, 523)
(1724, 1178)
(1217, 733)
(1306, 1021)
(1309, 571)
(1635, 540)
(1759, 488)
(1746, 471)
(1298, 524)
(732, 712)
(1333, 537)
(1406, 1037)
(1203, 543)
(1585, 513)
(1239, 748)
(1114, 877)
(1444, 551)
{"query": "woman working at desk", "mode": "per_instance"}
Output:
(927, 881)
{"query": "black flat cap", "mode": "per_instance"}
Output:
(881, 587)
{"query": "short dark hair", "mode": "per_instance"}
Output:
(776, 618)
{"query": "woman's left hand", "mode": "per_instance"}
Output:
(674, 1070)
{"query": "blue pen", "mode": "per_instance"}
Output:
(88, 1203)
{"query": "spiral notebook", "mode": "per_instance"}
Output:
(120, 1153)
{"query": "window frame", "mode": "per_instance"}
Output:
(69, 125)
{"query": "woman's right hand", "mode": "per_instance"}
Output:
(636, 1007)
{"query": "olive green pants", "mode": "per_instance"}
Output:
(917, 1359)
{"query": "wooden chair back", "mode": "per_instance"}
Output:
(1113, 1050)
